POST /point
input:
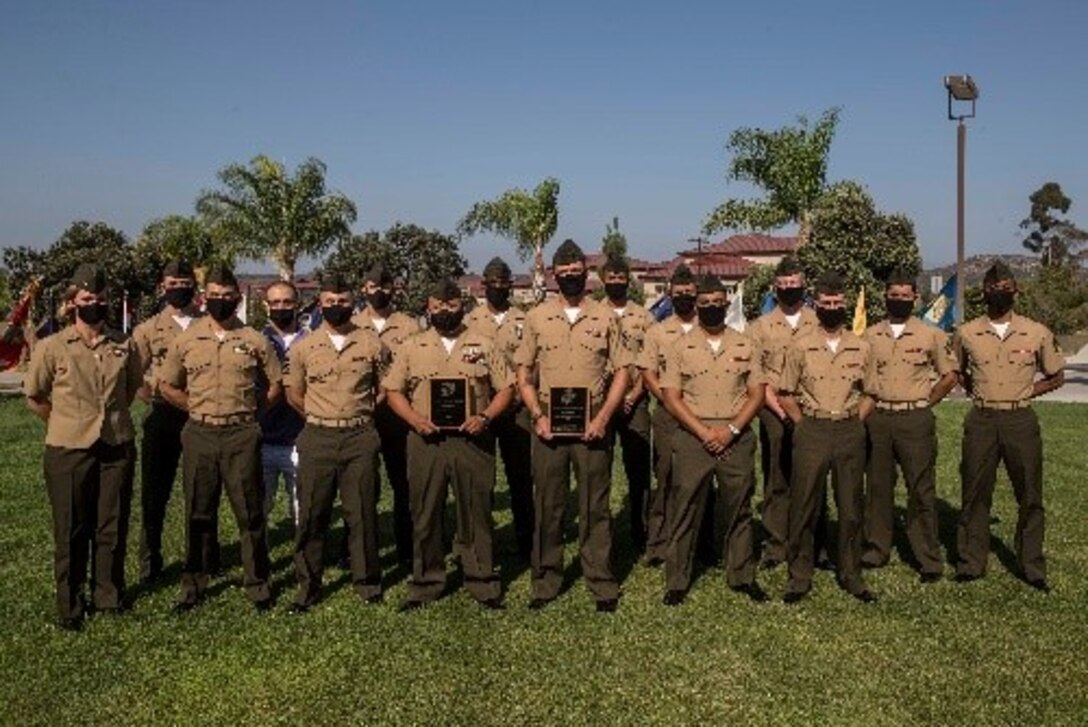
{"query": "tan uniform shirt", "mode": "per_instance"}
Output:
(153, 338)
(220, 375)
(635, 321)
(902, 369)
(473, 357)
(823, 381)
(1003, 370)
(656, 344)
(398, 327)
(506, 336)
(338, 384)
(584, 353)
(714, 384)
(772, 335)
(90, 387)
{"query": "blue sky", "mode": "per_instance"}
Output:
(124, 111)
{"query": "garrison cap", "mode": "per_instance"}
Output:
(710, 284)
(787, 266)
(900, 276)
(335, 282)
(568, 253)
(177, 268)
(998, 272)
(221, 275)
(89, 277)
(616, 264)
(378, 275)
(831, 283)
(445, 289)
(497, 268)
(682, 275)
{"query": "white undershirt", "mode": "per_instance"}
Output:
(897, 329)
(572, 313)
(499, 317)
(1001, 329)
(448, 343)
(715, 344)
(833, 344)
(794, 319)
(686, 327)
(220, 335)
(338, 340)
(619, 312)
(288, 339)
(379, 324)
(183, 321)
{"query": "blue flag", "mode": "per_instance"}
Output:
(941, 311)
(662, 309)
(769, 302)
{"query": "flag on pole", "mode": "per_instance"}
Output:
(734, 317)
(661, 309)
(860, 319)
(941, 311)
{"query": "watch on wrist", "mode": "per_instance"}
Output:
(733, 429)
(485, 417)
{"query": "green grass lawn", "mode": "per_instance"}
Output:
(986, 653)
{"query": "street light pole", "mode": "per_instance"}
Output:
(960, 88)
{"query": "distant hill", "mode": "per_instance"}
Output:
(1023, 266)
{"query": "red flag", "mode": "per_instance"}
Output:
(12, 343)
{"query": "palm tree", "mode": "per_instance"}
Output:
(265, 212)
(528, 218)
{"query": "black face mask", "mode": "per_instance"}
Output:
(711, 316)
(789, 297)
(178, 297)
(898, 308)
(683, 304)
(571, 286)
(616, 291)
(447, 321)
(92, 314)
(221, 309)
(379, 300)
(831, 318)
(498, 298)
(998, 302)
(282, 317)
(336, 315)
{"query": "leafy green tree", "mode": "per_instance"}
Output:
(758, 283)
(178, 236)
(789, 164)
(262, 211)
(1056, 239)
(1056, 296)
(850, 236)
(416, 257)
(6, 294)
(528, 218)
(614, 242)
(82, 242)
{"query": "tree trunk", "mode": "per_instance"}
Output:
(286, 265)
(804, 228)
(540, 290)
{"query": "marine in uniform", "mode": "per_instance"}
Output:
(212, 370)
(772, 334)
(503, 324)
(821, 389)
(712, 387)
(280, 423)
(81, 382)
(393, 328)
(440, 458)
(572, 341)
(160, 446)
(651, 364)
(911, 369)
(333, 375)
(1001, 353)
(632, 421)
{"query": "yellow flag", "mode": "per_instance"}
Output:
(860, 320)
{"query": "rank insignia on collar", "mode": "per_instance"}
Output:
(472, 354)
(118, 351)
(243, 348)
(519, 328)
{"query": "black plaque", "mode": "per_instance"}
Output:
(569, 415)
(449, 403)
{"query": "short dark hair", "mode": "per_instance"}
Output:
(615, 265)
(787, 266)
(830, 283)
(899, 276)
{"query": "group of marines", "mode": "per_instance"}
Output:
(363, 386)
